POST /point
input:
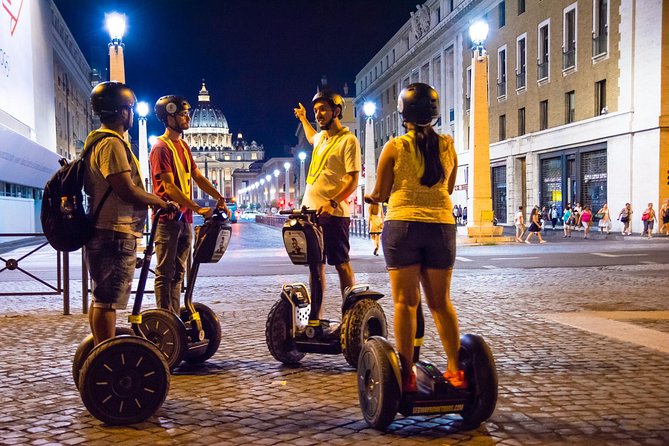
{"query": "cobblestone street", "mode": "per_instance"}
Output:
(558, 384)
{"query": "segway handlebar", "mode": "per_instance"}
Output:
(303, 211)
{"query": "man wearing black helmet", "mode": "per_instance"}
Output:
(333, 176)
(115, 191)
(172, 169)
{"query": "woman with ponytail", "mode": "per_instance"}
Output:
(416, 175)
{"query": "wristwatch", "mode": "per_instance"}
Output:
(334, 204)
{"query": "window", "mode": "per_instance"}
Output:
(394, 92)
(502, 127)
(451, 5)
(414, 76)
(600, 98)
(393, 55)
(569, 107)
(521, 62)
(543, 115)
(387, 64)
(521, 121)
(501, 72)
(436, 73)
(499, 193)
(468, 91)
(521, 6)
(600, 29)
(501, 9)
(425, 73)
(543, 51)
(569, 38)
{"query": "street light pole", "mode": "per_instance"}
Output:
(143, 111)
(116, 26)
(286, 166)
(479, 203)
(369, 109)
(302, 156)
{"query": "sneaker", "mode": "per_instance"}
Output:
(456, 379)
(376, 251)
(528, 242)
(409, 382)
(543, 241)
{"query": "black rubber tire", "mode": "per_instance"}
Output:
(364, 319)
(277, 334)
(166, 331)
(212, 332)
(378, 389)
(476, 358)
(85, 348)
(124, 380)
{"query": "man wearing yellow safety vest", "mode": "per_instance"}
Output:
(333, 176)
(172, 169)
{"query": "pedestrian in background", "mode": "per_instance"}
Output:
(625, 217)
(578, 210)
(535, 226)
(416, 174)
(648, 218)
(566, 221)
(456, 214)
(586, 221)
(664, 215)
(375, 226)
(604, 217)
(544, 217)
(464, 215)
(554, 216)
(519, 222)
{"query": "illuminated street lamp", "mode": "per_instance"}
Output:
(369, 109)
(302, 156)
(143, 110)
(115, 24)
(152, 140)
(286, 166)
(479, 202)
(276, 175)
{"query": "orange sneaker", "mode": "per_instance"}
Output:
(409, 382)
(456, 379)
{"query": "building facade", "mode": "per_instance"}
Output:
(44, 112)
(216, 154)
(577, 108)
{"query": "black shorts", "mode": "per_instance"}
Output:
(335, 239)
(406, 243)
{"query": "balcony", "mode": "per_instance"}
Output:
(542, 69)
(521, 79)
(599, 44)
(568, 58)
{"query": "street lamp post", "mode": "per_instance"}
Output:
(143, 111)
(302, 156)
(286, 166)
(369, 109)
(479, 203)
(115, 23)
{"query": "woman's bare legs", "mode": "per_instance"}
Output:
(405, 286)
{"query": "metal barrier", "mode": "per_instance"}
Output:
(358, 228)
(62, 272)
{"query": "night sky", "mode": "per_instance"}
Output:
(258, 57)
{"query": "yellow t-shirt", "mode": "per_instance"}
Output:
(410, 200)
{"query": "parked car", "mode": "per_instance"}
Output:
(249, 215)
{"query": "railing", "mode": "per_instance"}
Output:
(542, 70)
(501, 88)
(521, 79)
(599, 44)
(568, 59)
(358, 226)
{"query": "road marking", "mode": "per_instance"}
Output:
(514, 258)
(648, 262)
(490, 267)
(463, 259)
(603, 254)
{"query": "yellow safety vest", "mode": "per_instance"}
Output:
(182, 173)
(319, 157)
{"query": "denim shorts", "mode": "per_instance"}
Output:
(335, 239)
(111, 261)
(406, 243)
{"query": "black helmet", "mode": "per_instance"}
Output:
(170, 105)
(109, 98)
(418, 104)
(331, 98)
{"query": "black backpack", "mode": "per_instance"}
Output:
(65, 223)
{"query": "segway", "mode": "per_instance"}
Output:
(195, 334)
(288, 331)
(125, 379)
(381, 395)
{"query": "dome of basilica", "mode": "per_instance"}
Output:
(205, 114)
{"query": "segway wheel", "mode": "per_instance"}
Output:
(84, 350)
(475, 357)
(278, 335)
(166, 331)
(378, 386)
(363, 320)
(124, 380)
(212, 332)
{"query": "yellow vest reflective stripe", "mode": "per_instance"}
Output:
(182, 173)
(319, 157)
